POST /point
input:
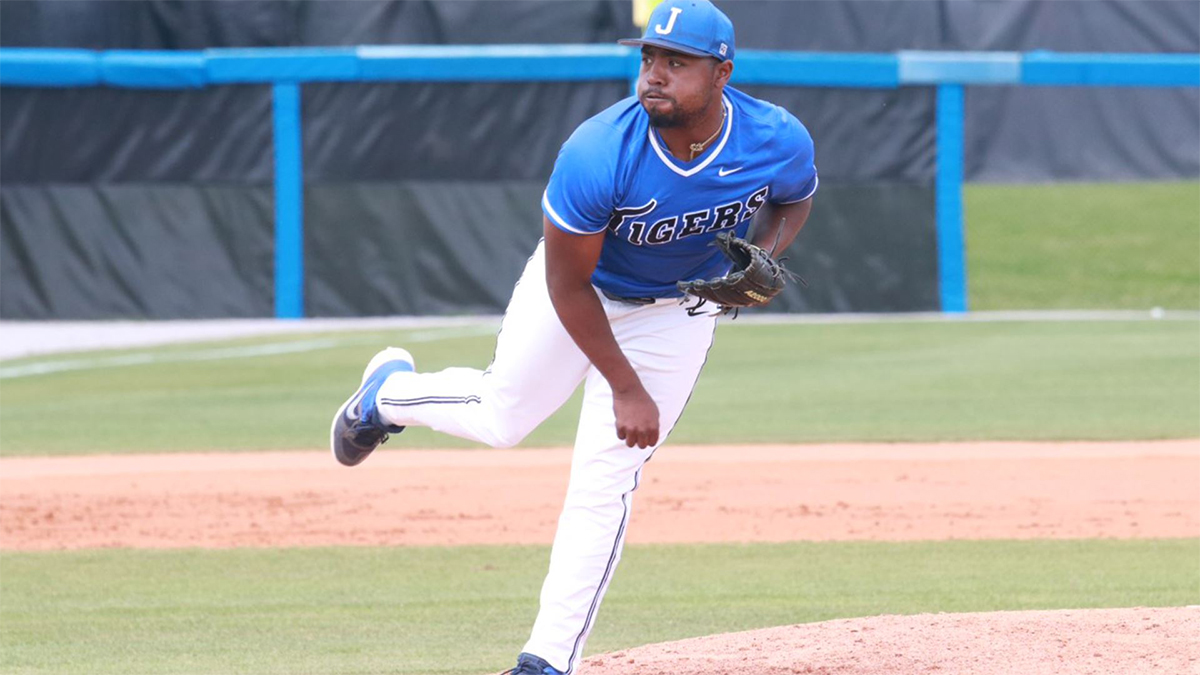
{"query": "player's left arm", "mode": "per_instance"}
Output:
(780, 223)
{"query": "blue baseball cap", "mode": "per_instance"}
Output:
(693, 27)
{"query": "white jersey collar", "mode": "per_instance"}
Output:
(670, 161)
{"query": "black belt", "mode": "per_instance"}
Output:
(632, 301)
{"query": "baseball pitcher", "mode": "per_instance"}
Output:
(646, 216)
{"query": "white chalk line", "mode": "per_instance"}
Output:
(47, 367)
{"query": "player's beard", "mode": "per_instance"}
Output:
(678, 117)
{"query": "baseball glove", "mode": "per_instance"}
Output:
(755, 279)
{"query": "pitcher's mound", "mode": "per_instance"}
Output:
(1065, 642)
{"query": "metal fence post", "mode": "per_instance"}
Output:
(289, 202)
(952, 257)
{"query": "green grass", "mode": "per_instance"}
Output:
(1083, 246)
(918, 381)
(949, 381)
(468, 610)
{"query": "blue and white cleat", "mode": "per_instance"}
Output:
(357, 429)
(528, 664)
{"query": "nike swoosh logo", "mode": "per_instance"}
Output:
(726, 172)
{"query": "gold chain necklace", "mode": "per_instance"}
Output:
(699, 147)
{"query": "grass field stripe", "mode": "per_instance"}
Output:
(292, 347)
(14, 346)
(142, 358)
(442, 334)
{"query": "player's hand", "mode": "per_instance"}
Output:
(637, 417)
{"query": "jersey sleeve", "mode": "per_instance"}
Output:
(797, 178)
(581, 193)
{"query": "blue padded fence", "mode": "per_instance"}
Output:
(288, 68)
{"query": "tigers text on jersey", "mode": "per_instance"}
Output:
(660, 215)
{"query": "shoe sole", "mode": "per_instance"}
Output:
(386, 356)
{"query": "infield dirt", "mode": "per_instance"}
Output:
(688, 494)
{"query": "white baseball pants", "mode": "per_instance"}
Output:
(537, 366)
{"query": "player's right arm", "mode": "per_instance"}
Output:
(570, 261)
(579, 200)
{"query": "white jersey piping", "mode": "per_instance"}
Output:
(696, 169)
(557, 218)
(813, 191)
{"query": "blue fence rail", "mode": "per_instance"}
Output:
(286, 69)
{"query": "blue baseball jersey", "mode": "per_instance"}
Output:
(659, 214)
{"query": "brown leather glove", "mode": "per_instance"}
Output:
(755, 279)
